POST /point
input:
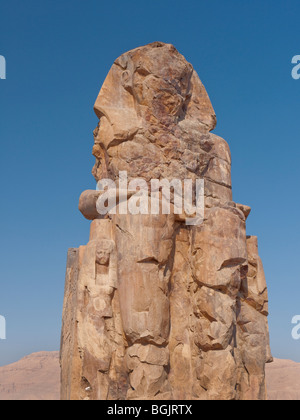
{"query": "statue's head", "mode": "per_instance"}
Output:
(149, 86)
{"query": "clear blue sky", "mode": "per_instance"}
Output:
(58, 54)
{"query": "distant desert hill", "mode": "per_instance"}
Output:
(283, 380)
(36, 377)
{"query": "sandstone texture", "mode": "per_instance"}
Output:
(155, 308)
(35, 377)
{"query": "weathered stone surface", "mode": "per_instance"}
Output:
(156, 309)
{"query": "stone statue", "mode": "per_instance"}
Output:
(156, 308)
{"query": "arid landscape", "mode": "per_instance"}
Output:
(283, 380)
(36, 377)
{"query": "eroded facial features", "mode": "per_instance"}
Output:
(103, 135)
(150, 100)
(104, 132)
(162, 89)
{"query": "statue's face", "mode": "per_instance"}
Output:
(158, 95)
(150, 86)
(160, 83)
